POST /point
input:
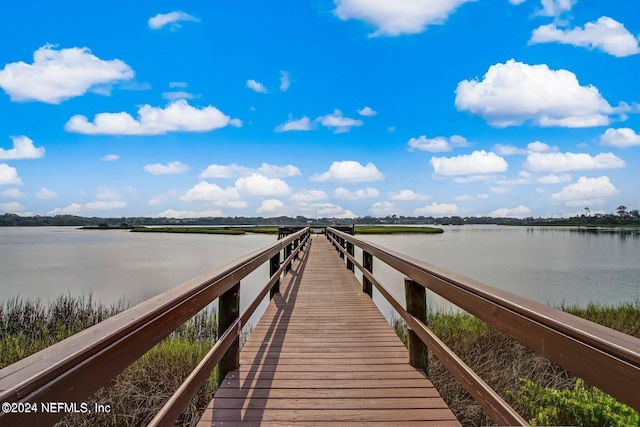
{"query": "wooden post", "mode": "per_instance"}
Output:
(228, 312)
(287, 253)
(296, 243)
(342, 241)
(416, 299)
(350, 251)
(274, 265)
(367, 263)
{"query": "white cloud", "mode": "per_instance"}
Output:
(12, 193)
(256, 86)
(366, 193)
(476, 163)
(236, 171)
(11, 207)
(172, 96)
(408, 195)
(284, 81)
(261, 186)
(171, 18)
(554, 179)
(45, 193)
(9, 175)
(349, 171)
(97, 205)
(516, 2)
(586, 191)
(23, 148)
(383, 208)
(438, 209)
(367, 112)
(171, 168)
(397, 17)
(555, 8)
(518, 211)
(437, 144)
(508, 150)
(301, 124)
(538, 147)
(308, 196)
(562, 162)
(621, 138)
(110, 158)
(606, 35)
(178, 116)
(271, 206)
(204, 191)
(338, 122)
(172, 213)
(513, 93)
(57, 75)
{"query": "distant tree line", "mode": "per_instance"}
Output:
(623, 216)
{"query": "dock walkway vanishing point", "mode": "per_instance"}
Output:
(323, 354)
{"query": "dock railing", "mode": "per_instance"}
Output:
(607, 359)
(75, 368)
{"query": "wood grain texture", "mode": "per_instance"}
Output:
(322, 354)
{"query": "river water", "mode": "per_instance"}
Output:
(548, 265)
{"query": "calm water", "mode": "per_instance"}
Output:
(549, 265)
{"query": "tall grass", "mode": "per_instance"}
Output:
(501, 361)
(136, 395)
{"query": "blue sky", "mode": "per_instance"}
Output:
(320, 108)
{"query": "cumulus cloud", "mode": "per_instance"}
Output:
(271, 207)
(181, 94)
(284, 81)
(516, 2)
(110, 158)
(185, 213)
(256, 86)
(171, 168)
(45, 193)
(23, 148)
(205, 191)
(407, 195)
(349, 171)
(555, 8)
(438, 209)
(554, 179)
(367, 112)
(97, 205)
(262, 186)
(513, 93)
(178, 116)
(57, 75)
(586, 191)
(606, 35)
(308, 196)
(301, 124)
(518, 211)
(383, 208)
(12, 193)
(9, 175)
(437, 144)
(476, 163)
(172, 18)
(365, 193)
(562, 162)
(11, 207)
(397, 17)
(338, 122)
(236, 171)
(621, 138)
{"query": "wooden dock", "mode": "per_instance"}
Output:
(323, 354)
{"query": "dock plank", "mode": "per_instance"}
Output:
(323, 355)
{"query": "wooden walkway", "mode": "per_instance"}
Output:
(322, 354)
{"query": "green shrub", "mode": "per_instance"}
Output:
(579, 406)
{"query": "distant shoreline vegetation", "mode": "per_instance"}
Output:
(377, 229)
(622, 218)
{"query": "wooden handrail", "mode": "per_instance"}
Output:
(73, 369)
(606, 358)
